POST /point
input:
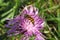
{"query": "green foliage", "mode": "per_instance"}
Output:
(49, 10)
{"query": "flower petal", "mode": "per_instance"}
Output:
(38, 37)
(25, 38)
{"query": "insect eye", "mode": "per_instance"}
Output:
(27, 16)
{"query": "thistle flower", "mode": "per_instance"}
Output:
(28, 23)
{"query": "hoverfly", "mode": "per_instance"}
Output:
(29, 18)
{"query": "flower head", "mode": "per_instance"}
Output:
(28, 23)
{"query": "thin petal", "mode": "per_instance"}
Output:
(38, 37)
(25, 38)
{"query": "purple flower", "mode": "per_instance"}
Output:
(27, 23)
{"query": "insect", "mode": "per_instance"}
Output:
(30, 18)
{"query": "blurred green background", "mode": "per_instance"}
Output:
(49, 10)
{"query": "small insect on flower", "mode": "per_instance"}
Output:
(28, 22)
(30, 18)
